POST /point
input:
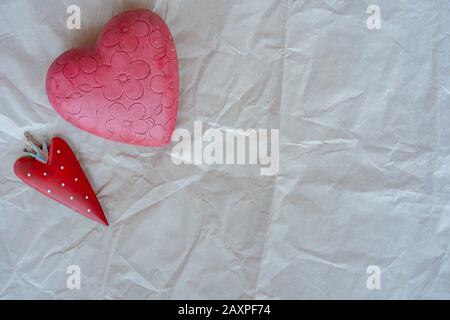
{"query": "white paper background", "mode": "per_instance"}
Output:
(364, 143)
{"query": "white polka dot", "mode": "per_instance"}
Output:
(86, 197)
(76, 179)
(49, 191)
(45, 173)
(71, 198)
(58, 151)
(89, 210)
(29, 174)
(62, 184)
(62, 167)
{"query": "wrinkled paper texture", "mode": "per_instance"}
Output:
(364, 173)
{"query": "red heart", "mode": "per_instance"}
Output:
(126, 87)
(61, 179)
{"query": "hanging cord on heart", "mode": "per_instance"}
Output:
(35, 149)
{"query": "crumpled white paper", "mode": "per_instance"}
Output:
(364, 173)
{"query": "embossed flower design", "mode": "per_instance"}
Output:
(164, 85)
(75, 60)
(122, 77)
(63, 96)
(157, 39)
(126, 32)
(129, 122)
(161, 39)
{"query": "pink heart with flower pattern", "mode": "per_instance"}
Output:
(126, 87)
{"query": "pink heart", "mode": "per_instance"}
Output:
(126, 87)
